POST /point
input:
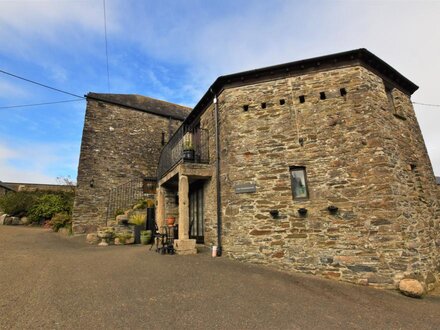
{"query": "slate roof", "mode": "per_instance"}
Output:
(6, 186)
(143, 103)
(437, 179)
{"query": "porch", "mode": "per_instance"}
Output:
(183, 172)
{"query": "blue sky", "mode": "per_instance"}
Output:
(173, 50)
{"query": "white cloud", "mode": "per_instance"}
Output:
(36, 162)
(208, 39)
(11, 91)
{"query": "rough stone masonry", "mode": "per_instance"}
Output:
(355, 133)
(122, 139)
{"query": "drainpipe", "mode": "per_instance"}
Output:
(217, 168)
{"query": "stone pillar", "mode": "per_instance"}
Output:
(184, 245)
(160, 215)
(183, 207)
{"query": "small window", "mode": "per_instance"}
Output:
(282, 102)
(322, 95)
(299, 182)
(163, 138)
(302, 99)
(263, 105)
(245, 107)
(343, 91)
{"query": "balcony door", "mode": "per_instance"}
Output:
(196, 219)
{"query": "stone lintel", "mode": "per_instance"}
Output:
(185, 246)
(192, 170)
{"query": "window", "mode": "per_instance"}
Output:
(299, 182)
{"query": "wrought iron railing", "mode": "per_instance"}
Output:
(174, 150)
(124, 196)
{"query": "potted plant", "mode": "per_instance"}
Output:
(138, 220)
(188, 149)
(146, 236)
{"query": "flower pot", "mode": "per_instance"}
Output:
(171, 221)
(137, 234)
(146, 236)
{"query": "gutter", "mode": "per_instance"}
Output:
(218, 184)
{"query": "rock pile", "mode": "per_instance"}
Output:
(7, 220)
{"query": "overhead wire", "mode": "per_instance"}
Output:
(426, 104)
(40, 84)
(38, 104)
(106, 46)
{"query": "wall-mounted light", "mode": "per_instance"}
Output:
(92, 183)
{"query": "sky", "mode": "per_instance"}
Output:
(174, 50)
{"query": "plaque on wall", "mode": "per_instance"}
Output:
(245, 188)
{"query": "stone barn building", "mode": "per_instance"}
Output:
(121, 143)
(317, 166)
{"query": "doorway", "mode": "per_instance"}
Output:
(196, 220)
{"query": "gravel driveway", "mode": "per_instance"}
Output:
(53, 282)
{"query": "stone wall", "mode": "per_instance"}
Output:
(363, 152)
(119, 144)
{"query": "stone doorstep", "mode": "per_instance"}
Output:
(185, 246)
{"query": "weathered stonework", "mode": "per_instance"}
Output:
(119, 144)
(362, 153)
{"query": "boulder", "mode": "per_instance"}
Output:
(15, 221)
(121, 218)
(24, 221)
(411, 288)
(64, 231)
(8, 221)
(92, 238)
(2, 219)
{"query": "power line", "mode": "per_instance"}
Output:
(106, 47)
(427, 104)
(37, 104)
(40, 84)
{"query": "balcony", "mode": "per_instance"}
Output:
(190, 146)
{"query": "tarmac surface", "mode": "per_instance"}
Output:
(54, 282)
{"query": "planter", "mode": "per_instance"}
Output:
(146, 236)
(137, 233)
(188, 154)
(171, 221)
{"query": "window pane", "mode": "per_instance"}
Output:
(299, 185)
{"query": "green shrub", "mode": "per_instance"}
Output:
(140, 204)
(60, 220)
(17, 204)
(138, 219)
(47, 205)
(119, 212)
